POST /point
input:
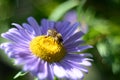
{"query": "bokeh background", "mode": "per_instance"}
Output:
(100, 20)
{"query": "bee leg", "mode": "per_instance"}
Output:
(46, 36)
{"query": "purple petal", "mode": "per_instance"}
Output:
(45, 24)
(59, 71)
(28, 28)
(86, 63)
(21, 33)
(58, 26)
(29, 64)
(70, 31)
(15, 50)
(71, 16)
(62, 26)
(12, 38)
(43, 72)
(35, 25)
(79, 55)
(35, 69)
(50, 75)
(15, 36)
(78, 49)
(73, 44)
(26, 34)
(77, 65)
(17, 25)
(74, 37)
(18, 54)
(72, 71)
(51, 24)
(79, 59)
(23, 60)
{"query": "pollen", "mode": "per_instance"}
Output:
(47, 48)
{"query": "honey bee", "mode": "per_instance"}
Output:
(53, 33)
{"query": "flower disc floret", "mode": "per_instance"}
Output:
(47, 48)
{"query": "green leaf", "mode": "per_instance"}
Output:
(115, 67)
(21, 73)
(102, 49)
(79, 8)
(35, 78)
(62, 9)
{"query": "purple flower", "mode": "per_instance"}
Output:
(48, 50)
(72, 17)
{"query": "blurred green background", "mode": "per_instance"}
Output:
(100, 19)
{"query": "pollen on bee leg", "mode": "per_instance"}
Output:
(47, 48)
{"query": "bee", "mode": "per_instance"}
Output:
(53, 33)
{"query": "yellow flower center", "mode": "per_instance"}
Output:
(47, 48)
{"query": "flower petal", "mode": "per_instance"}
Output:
(35, 25)
(59, 71)
(78, 49)
(73, 44)
(62, 26)
(50, 75)
(29, 28)
(73, 37)
(45, 24)
(70, 31)
(72, 71)
(79, 59)
(43, 72)
(17, 25)
(76, 65)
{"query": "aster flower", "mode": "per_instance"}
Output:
(48, 50)
(72, 17)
